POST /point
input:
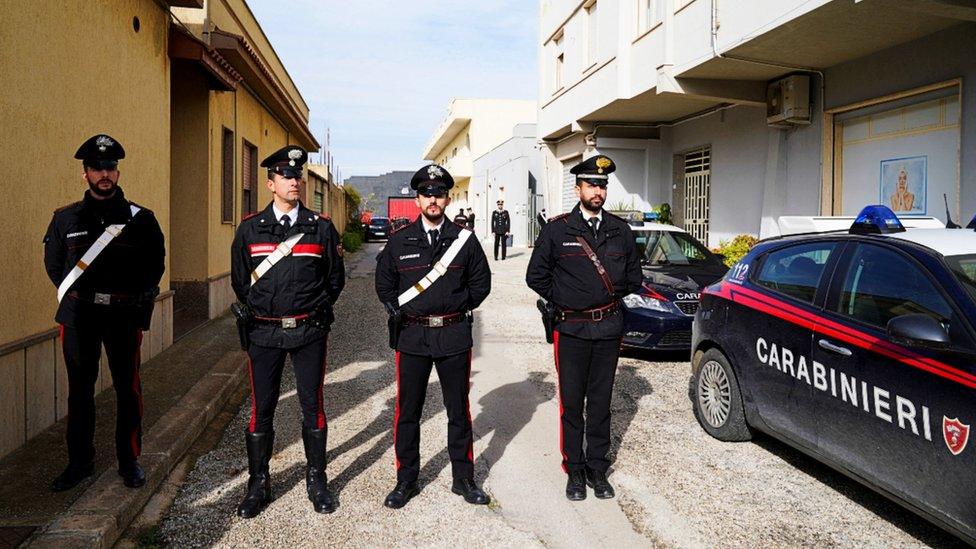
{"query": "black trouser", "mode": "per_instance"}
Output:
(266, 365)
(413, 372)
(501, 239)
(586, 369)
(82, 347)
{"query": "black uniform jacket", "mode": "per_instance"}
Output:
(131, 265)
(561, 272)
(312, 276)
(500, 222)
(408, 257)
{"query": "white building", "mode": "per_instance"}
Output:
(471, 129)
(681, 94)
(513, 171)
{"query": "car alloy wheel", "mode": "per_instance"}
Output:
(714, 394)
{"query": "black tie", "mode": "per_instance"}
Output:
(593, 223)
(286, 222)
(433, 236)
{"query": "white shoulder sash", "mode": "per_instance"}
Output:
(439, 269)
(283, 250)
(108, 236)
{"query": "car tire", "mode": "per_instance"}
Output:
(716, 399)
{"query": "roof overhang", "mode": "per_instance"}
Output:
(445, 134)
(262, 82)
(221, 76)
(184, 3)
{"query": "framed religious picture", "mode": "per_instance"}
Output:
(904, 184)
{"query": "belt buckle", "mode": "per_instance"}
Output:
(103, 299)
(289, 322)
(596, 316)
(435, 321)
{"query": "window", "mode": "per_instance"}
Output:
(795, 270)
(881, 284)
(318, 196)
(557, 75)
(249, 170)
(227, 177)
(648, 14)
(559, 71)
(592, 36)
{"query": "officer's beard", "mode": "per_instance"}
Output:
(593, 205)
(103, 193)
(434, 219)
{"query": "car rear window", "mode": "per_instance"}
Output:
(964, 267)
(795, 270)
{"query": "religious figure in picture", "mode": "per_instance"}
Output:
(902, 200)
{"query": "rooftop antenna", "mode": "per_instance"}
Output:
(949, 223)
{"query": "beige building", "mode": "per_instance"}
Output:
(472, 128)
(197, 96)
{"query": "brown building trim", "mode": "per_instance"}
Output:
(185, 3)
(245, 60)
(222, 75)
(220, 276)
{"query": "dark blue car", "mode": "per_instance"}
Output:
(857, 348)
(676, 267)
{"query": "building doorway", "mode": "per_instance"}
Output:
(695, 197)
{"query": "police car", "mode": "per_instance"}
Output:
(857, 348)
(675, 267)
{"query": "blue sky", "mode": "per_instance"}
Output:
(380, 73)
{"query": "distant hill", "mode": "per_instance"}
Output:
(381, 187)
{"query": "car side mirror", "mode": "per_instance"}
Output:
(918, 330)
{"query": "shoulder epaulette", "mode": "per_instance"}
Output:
(462, 225)
(560, 216)
(400, 228)
(141, 207)
(249, 216)
(65, 207)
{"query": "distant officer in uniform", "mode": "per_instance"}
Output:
(460, 218)
(470, 222)
(435, 329)
(541, 218)
(585, 262)
(288, 307)
(501, 225)
(106, 295)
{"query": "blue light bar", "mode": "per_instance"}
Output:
(651, 216)
(876, 219)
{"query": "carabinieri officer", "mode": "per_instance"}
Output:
(430, 276)
(106, 294)
(287, 271)
(585, 262)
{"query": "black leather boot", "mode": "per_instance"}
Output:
(401, 494)
(259, 446)
(601, 486)
(132, 474)
(72, 475)
(316, 481)
(576, 486)
(472, 494)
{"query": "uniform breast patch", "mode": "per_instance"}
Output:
(571, 244)
(79, 233)
(409, 256)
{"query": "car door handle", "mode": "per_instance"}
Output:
(828, 346)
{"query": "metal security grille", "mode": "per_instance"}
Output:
(698, 169)
(569, 181)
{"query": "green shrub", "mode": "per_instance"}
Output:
(352, 241)
(737, 248)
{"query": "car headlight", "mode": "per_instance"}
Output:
(637, 301)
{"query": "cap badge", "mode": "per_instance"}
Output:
(294, 155)
(104, 142)
(602, 163)
(435, 171)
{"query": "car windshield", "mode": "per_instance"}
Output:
(675, 248)
(379, 222)
(964, 266)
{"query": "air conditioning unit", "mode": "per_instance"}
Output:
(788, 101)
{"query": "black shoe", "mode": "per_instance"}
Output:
(472, 494)
(316, 481)
(401, 494)
(576, 486)
(72, 476)
(598, 481)
(132, 475)
(258, 495)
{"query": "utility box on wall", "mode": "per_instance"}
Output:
(788, 101)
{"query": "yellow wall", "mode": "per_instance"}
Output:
(68, 78)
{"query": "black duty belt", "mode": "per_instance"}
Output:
(589, 315)
(285, 322)
(99, 298)
(433, 321)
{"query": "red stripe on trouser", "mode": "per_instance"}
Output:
(135, 441)
(559, 395)
(467, 402)
(254, 403)
(396, 413)
(320, 421)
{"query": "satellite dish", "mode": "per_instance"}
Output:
(404, 191)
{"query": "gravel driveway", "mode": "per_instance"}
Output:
(676, 486)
